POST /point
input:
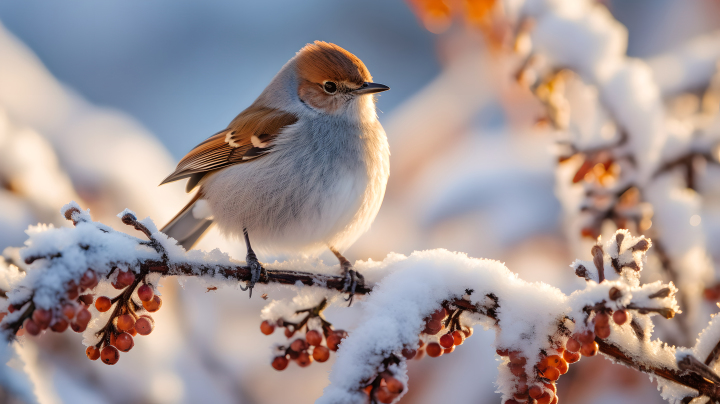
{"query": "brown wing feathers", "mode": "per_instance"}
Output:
(248, 136)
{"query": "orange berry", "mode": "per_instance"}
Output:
(117, 285)
(620, 317)
(572, 345)
(304, 359)
(267, 328)
(554, 400)
(590, 349)
(335, 338)
(434, 349)
(132, 331)
(113, 339)
(280, 363)
(554, 360)
(394, 385)
(153, 305)
(383, 395)
(124, 342)
(545, 398)
(447, 340)
(109, 355)
(92, 353)
(551, 373)
(103, 304)
(313, 337)
(60, 325)
(321, 353)
(551, 387)
(68, 311)
(145, 293)
(449, 350)
(571, 357)
(144, 325)
(458, 338)
(125, 322)
(89, 279)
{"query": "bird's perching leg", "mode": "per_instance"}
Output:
(352, 277)
(256, 269)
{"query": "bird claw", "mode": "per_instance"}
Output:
(353, 278)
(256, 271)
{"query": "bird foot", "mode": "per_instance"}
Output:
(256, 271)
(353, 278)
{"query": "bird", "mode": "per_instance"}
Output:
(303, 169)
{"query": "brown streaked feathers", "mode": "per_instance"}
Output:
(321, 61)
(233, 145)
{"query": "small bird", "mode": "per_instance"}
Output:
(302, 169)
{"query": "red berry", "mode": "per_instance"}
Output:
(304, 359)
(125, 278)
(109, 355)
(602, 331)
(439, 315)
(447, 340)
(299, 345)
(280, 363)
(145, 293)
(78, 327)
(153, 305)
(449, 350)
(620, 317)
(125, 322)
(394, 385)
(267, 328)
(432, 327)
(409, 353)
(517, 358)
(42, 317)
(103, 304)
(571, 357)
(589, 349)
(31, 327)
(502, 352)
(335, 338)
(458, 338)
(289, 333)
(434, 349)
(517, 370)
(572, 345)
(83, 317)
(313, 337)
(293, 354)
(383, 395)
(117, 285)
(92, 353)
(68, 311)
(321, 353)
(602, 319)
(72, 290)
(586, 337)
(124, 342)
(89, 279)
(12, 308)
(535, 391)
(86, 299)
(144, 325)
(60, 325)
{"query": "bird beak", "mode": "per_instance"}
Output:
(370, 88)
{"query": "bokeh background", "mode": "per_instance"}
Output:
(99, 100)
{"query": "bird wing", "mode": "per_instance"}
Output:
(249, 136)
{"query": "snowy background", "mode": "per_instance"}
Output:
(99, 100)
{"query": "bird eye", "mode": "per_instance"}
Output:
(330, 87)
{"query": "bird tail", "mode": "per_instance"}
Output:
(185, 227)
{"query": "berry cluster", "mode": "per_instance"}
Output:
(305, 350)
(385, 388)
(550, 367)
(71, 312)
(444, 322)
(124, 322)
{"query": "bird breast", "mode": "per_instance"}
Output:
(322, 185)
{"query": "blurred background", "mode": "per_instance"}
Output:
(99, 100)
